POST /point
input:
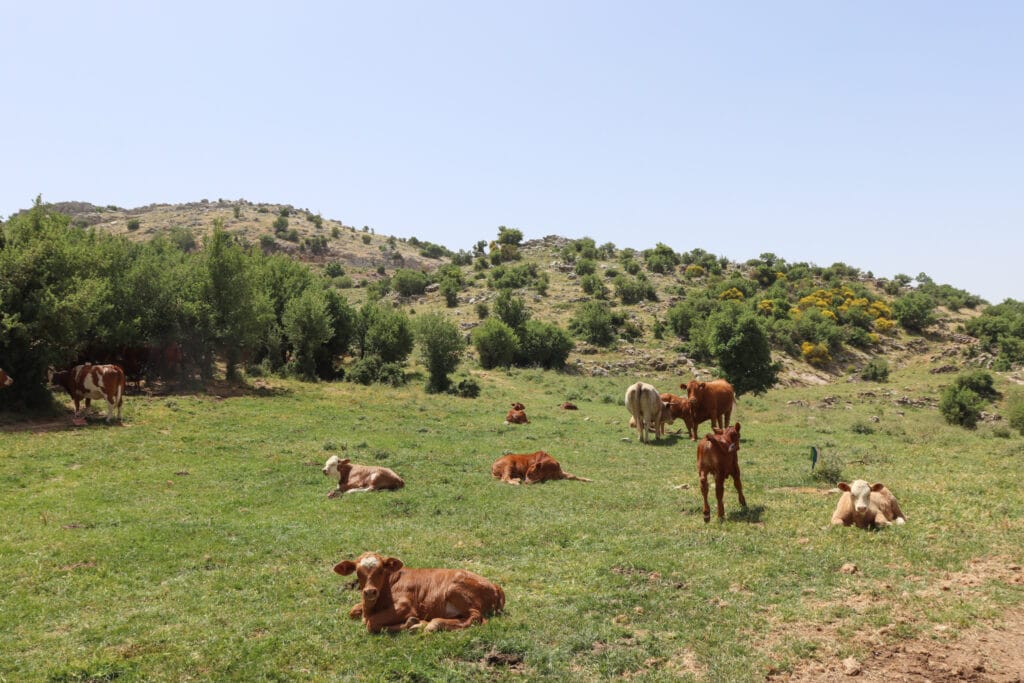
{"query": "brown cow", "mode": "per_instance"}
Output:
(532, 468)
(93, 382)
(5, 379)
(568, 405)
(359, 478)
(516, 416)
(396, 598)
(673, 408)
(710, 401)
(866, 505)
(718, 455)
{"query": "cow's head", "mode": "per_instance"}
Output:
(372, 571)
(728, 439)
(518, 406)
(5, 379)
(694, 389)
(59, 379)
(337, 468)
(860, 491)
(542, 467)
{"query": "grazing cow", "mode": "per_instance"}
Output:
(568, 405)
(532, 468)
(93, 382)
(516, 416)
(359, 478)
(396, 598)
(644, 404)
(5, 379)
(718, 455)
(674, 407)
(710, 401)
(866, 505)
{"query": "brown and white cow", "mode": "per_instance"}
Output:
(530, 468)
(359, 478)
(5, 379)
(645, 407)
(712, 400)
(517, 415)
(866, 505)
(718, 455)
(396, 598)
(93, 382)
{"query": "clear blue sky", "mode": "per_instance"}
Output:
(886, 135)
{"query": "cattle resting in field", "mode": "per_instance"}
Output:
(517, 415)
(644, 405)
(397, 598)
(359, 478)
(531, 468)
(568, 405)
(718, 455)
(93, 382)
(709, 401)
(866, 505)
(5, 379)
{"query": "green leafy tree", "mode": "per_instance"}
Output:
(441, 344)
(308, 324)
(592, 322)
(409, 282)
(915, 311)
(511, 310)
(735, 338)
(384, 333)
(543, 344)
(496, 343)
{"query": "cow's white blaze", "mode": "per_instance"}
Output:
(331, 467)
(369, 563)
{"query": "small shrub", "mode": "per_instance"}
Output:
(1015, 411)
(392, 374)
(334, 269)
(482, 310)
(829, 469)
(366, 239)
(815, 354)
(467, 388)
(134, 224)
(496, 343)
(280, 224)
(960, 406)
(862, 428)
(877, 370)
(364, 371)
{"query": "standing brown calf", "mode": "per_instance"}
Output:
(718, 455)
(396, 598)
(532, 468)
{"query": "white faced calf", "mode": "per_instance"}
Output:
(865, 505)
(359, 478)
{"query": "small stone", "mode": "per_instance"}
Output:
(851, 667)
(848, 568)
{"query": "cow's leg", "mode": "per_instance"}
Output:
(719, 493)
(386, 620)
(704, 493)
(356, 612)
(739, 485)
(110, 411)
(880, 519)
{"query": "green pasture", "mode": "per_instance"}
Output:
(195, 542)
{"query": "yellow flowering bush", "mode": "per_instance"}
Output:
(815, 354)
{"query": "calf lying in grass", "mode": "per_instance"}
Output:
(359, 478)
(531, 468)
(397, 598)
(866, 505)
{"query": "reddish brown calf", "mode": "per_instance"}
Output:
(5, 379)
(517, 415)
(718, 455)
(397, 598)
(532, 468)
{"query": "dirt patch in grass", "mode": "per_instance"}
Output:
(990, 652)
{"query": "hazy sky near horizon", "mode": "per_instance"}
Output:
(888, 136)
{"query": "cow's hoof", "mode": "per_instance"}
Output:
(707, 519)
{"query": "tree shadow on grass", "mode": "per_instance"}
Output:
(751, 515)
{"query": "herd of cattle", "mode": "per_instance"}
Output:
(395, 598)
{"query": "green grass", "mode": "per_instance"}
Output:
(196, 542)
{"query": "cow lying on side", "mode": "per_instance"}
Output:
(516, 416)
(532, 468)
(93, 382)
(396, 598)
(718, 455)
(359, 478)
(5, 379)
(866, 505)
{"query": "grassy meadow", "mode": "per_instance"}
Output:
(195, 542)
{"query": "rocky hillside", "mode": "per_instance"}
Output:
(362, 257)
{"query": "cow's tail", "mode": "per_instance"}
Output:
(573, 477)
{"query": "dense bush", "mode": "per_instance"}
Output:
(633, 290)
(409, 282)
(511, 310)
(383, 332)
(467, 388)
(594, 286)
(876, 370)
(592, 322)
(915, 311)
(495, 343)
(661, 259)
(543, 344)
(735, 338)
(1015, 411)
(441, 344)
(960, 406)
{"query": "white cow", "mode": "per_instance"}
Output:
(864, 505)
(644, 403)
